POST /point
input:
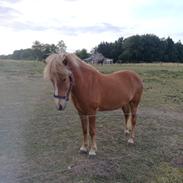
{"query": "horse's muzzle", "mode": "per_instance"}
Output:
(61, 107)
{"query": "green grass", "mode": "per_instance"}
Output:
(40, 144)
(168, 174)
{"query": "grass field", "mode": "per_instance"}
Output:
(40, 144)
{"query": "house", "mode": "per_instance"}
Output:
(98, 58)
(108, 61)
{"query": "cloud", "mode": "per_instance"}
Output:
(20, 26)
(95, 29)
(179, 34)
(9, 1)
(7, 15)
(7, 10)
(71, 0)
(67, 30)
(155, 9)
(84, 23)
(104, 27)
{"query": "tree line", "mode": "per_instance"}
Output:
(137, 48)
(142, 48)
(38, 51)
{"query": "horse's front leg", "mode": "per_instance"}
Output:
(92, 130)
(85, 143)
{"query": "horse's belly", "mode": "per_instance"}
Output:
(105, 108)
(112, 105)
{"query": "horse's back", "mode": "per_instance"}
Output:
(129, 77)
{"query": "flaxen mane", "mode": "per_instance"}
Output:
(55, 67)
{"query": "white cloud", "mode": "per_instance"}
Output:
(81, 23)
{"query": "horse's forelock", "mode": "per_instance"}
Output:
(55, 67)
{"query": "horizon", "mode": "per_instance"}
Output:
(89, 51)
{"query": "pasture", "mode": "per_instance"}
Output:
(40, 144)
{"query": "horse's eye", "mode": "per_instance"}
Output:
(64, 80)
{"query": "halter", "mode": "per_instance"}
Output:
(68, 92)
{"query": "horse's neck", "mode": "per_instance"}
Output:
(82, 74)
(80, 69)
(75, 70)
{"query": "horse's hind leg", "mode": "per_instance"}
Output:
(127, 114)
(85, 143)
(92, 131)
(133, 106)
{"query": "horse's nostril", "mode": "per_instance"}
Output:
(60, 108)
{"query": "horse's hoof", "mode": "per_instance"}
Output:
(83, 150)
(92, 153)
(130, 141)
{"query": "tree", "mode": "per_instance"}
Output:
(61, 47)
(82, 54)
(38, 50)
(117, 49)
(48, 49)
(151, 48)
(138, 48)
(131, 49)
(23, 54)
(105, 48)
(170, 51)
(179, 50)
(43, 50)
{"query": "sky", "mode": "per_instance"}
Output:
(85, 23)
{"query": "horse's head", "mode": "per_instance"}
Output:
(56, 70)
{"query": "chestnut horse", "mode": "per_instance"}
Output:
(92, 91)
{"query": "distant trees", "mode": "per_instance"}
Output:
(61, 47)
(138, 48)
(27, 54)
(38, 51)
(142, 48)
(179, 51)
(82, 54)
(41, 51)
